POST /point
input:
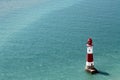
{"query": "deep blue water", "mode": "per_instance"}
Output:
(46, 39)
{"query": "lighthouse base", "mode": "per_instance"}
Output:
(91, 69)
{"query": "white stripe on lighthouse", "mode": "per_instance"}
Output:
(89, 50)
(89, 63)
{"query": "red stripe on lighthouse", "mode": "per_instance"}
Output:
(89, 57)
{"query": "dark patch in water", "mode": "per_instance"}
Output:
(103, 73)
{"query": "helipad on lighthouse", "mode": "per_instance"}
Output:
(89, 58)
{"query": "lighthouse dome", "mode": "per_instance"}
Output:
(89, 42)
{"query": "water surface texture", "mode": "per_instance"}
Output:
(46, 39)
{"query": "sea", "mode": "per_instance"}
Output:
(46, 39)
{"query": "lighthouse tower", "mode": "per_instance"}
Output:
(89, 57)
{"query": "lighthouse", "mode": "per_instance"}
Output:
(89, 57)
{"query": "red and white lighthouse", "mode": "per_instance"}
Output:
(89, 57)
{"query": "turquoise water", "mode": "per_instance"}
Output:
(46, 39)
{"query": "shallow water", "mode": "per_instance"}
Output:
(46, 40)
